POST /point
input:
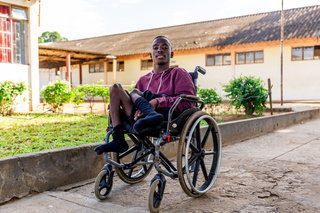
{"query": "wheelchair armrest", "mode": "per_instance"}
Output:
(189, 97)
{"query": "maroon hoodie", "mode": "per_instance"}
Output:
(171, 82)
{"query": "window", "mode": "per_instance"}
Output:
(96, 67)
(147, 64)
(305, 53)
(219, 59)
(249, 57)
(120, 66)
(13, 26)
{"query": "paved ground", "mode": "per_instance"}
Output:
(276, 172)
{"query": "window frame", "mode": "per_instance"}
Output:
(17, 49)
(314, 57)
(222, 60)
(255, 60)
(149, 61)
(110, 65)
(94, 66)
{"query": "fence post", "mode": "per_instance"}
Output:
(270, 95)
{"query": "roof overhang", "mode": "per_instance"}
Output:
(50, 57)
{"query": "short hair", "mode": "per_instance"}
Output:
(162, 37)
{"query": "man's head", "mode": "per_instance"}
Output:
(161, 53)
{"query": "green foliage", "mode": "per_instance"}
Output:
(26, 133)
(51, 37)
(90, 91)
(77, 97)
(57, 94)
(247, 92)
(103, 92)
(9, 91)
(210, 99)
(132, 87)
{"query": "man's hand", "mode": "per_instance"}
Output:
(138, 114)
(154, 103)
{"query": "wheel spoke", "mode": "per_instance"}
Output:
(203, 168)
(195, 149)
(103, 183)
(192, 159)
(198, 136)
(130, 172)
(205, 138)
(195, 174)
(210, 152)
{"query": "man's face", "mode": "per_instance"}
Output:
(161, 52)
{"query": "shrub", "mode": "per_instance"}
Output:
(9, 91)
(56, 95)
(103, 92)
(247, 92)
(77, 97)
(90, 91)
(210, 99)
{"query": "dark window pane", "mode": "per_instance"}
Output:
(297, 53)
(240, 58)
(316, 52)
(218, 59)
(121, 66)
(308, 53)
(227, 59)
(258, 57)
(101, 67)
(210, 60)
(249, 58)
(91, 67)
(110, 66)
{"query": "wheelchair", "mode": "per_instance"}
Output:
(198, 154)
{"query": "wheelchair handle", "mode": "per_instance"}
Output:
(200, 69)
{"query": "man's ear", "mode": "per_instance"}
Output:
(151, 56)
(172, 54)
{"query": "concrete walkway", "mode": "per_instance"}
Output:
(276, 172)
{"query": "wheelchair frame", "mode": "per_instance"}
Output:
(190, 143)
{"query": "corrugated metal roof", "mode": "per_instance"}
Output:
(299, 23)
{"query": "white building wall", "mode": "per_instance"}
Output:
(26, 73)
(17, 73)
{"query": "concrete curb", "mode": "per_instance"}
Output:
(38, 172)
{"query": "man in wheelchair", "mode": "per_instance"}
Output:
(149, 103)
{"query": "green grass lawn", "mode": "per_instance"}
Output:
(26, 133)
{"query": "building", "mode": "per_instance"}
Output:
(19, 60)
(226, 48)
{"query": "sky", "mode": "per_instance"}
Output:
(77, 19)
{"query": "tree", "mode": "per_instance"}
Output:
(51, 37)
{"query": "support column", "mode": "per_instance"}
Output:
(105, 72)
(233, 64)
(114, 71)
(68, 68)
(80, 74)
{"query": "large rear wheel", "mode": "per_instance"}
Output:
(199, 154)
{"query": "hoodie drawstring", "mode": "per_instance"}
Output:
(159, 84)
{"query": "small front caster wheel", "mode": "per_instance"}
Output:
(155, 196)
(103, 184)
